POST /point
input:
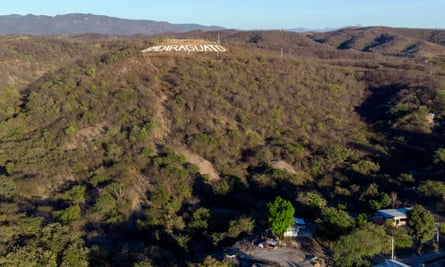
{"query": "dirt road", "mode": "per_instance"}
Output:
(283, 256)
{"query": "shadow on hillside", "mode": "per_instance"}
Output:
(407, 150)
(376, 105)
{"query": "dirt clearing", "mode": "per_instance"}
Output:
(205, 167)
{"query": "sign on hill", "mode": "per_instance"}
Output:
(184, 46)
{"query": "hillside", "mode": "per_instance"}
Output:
(88, 23)
(389, 41)
(164, 159)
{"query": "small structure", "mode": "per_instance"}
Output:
(398, 216)
(300, 223)
(292, 231)
(295, 228)
(392, 263)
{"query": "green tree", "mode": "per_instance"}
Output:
(365, 167)
(334, 223)
(439, 156)
(30, 256)
(401, 238)
(432, 189)
(69, 214)
(52, 245)
(163, 211)
(400, 234)
(281, 215)
(239, 226)
(29, 226)
(75, 195)
(354, 249)
(105, 203)
(442, 228)
(420, 225)
(362, 219)
(199, 221)
(106, 207)
(384, 202)
(211, 262)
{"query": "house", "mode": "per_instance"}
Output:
(294, 229)
(398, 216)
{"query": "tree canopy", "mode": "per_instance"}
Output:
(354, 248)
(439, 156)
(420, 225)
(281, 215)
(334, 223)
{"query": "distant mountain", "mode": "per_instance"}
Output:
(88, 23)
(302, 29)
(385, 40)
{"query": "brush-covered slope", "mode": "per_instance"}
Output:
(389, 41)
(127, 158)
(179, 100)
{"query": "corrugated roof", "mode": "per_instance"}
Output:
(392, 263)
(392, 213)
(299, 221)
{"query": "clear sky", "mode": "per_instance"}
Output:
(250, 14)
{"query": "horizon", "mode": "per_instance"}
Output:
(252, 15)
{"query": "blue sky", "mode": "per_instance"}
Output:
(251, 14)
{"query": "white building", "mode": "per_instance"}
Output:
(295, 228)
(398, 216)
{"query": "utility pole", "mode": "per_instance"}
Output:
(219, 38)
(281, 52)
(392, 247)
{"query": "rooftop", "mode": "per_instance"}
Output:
(299, 221)
(392, 263)
(393, 213)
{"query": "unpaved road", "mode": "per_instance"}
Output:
(283, 256)
(305, 252)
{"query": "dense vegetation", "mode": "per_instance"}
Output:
(93, 134)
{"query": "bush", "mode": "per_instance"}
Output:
(70, 130)
(239, 226)
(7, 188)
(76, 194)
(72, 213)
(365, 167)
(334, 223)
(439, 156)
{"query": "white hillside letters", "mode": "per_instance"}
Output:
(185, 48)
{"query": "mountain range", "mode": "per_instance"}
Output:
(88, 23)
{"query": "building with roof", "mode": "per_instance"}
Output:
(294, 229)
(399, 216)
(392, 263)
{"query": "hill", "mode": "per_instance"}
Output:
(122, 158)
(88, 23)
(389, 41)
